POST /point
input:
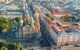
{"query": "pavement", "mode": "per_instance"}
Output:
(69, 48)
(50, 48)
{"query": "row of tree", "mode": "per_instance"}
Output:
(51, 16)
(4, 45)
(70, 18)
(7, 23)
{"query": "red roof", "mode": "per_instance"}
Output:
(71, 43)
(60, 11)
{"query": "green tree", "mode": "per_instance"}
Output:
(51, 16)
(17, 19)
(5, 23)
(15, 22)
(4, 48)
(5, 26)
(1, 28)
(17, 46)
(66, 18)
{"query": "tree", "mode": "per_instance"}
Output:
(4, 48)
(50, 16)
(17, 19)
(66, 18)
(15, 22)
(5, 24)
(17, 46)
(1, 28)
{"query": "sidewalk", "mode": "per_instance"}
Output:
(70, 48)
